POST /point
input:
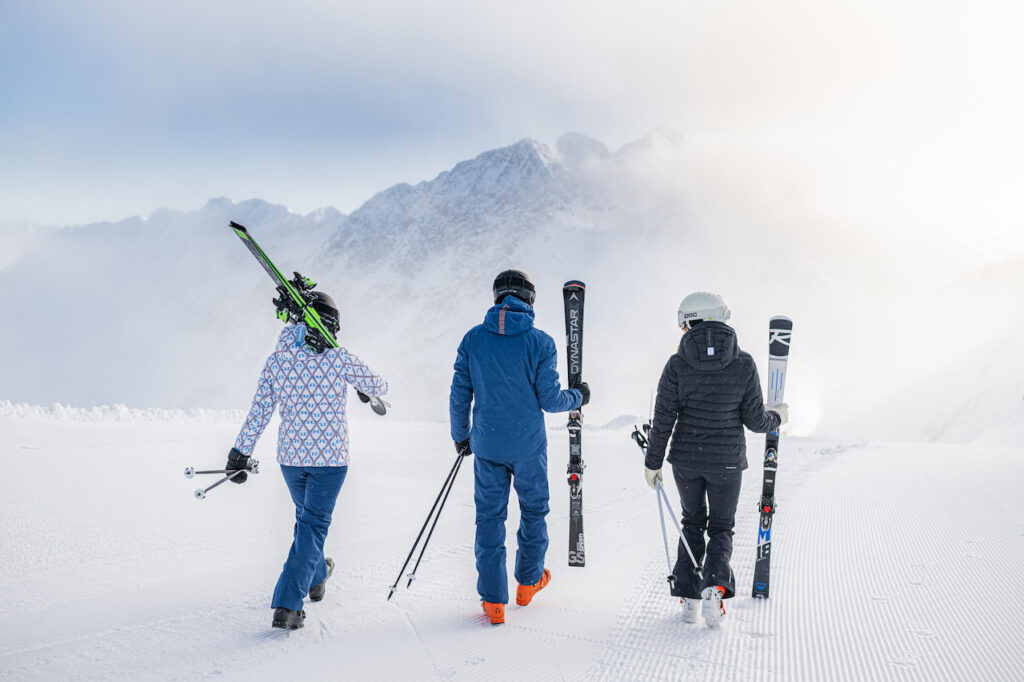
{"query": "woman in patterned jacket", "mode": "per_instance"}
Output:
(309, 388)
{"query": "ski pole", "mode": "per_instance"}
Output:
(641, 441)
(200, 493)
(423, 549)
(447, 481)
(377, 404)
(192, 473)
(661, 491)
(664, 536)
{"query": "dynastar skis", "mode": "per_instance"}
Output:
(572, 296)
(780, 329)
(293, 302)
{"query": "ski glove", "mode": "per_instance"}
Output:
(363, 398)
(782, 409)
(236, 461)
(462, 447)
(584, 389)
(651, 475)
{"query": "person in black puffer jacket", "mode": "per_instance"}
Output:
(709, 390)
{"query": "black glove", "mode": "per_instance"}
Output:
(584, 388)
(462, 447)
(236, 461)
(363, 398)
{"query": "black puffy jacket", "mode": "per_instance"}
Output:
(709, 390)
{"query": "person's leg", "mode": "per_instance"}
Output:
(295, 479)
(530, 478)
(305, 565)
(490, 492)
(723, 496)
(692, 498)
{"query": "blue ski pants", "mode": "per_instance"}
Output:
(314, 491)
(491, 490)
(709, 504)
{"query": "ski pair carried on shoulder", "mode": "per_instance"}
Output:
(295, 303)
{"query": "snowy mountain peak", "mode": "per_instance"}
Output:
(659, 140)
(509, 190)
(576, 149)
(326, 215)
(219, 204)
(524, 161)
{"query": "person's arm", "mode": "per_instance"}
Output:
(461, 397)
(666, 411)
(547, 386)
(752, 411)
(355, 372)
(260, 413)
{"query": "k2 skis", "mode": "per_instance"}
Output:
(780, 329)
(293, 302)
(572, 295)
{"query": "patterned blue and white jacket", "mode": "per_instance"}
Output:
(310, 391)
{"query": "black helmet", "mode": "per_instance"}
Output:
(326, 308)
(514, 283)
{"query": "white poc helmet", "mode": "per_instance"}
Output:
(703, 306)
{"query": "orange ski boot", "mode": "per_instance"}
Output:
(525, 592)
(496, 612)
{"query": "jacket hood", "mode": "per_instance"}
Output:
(710, 346)
(292, 337)
(511, 317)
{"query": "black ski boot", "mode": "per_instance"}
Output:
(288, 619)
(316, 593)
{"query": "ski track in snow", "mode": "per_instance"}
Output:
(890, 562)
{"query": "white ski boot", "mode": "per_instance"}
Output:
(712, 607)
(691, 607)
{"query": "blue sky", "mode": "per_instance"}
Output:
(111, 108)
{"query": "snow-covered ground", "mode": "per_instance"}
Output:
(890, 562)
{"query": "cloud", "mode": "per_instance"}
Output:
(113, 107)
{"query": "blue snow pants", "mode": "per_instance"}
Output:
(314, 491)
(530, 478)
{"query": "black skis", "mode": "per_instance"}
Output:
(572, 295)
(293, 302)
(780, 329)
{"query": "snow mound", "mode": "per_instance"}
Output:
(115, 413)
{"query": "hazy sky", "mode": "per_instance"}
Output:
(112, 108)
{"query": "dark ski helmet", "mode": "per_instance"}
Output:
(327, 309)
(514, 283)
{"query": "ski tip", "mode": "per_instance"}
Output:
(574, 284)
(238, 228)
(785, 321)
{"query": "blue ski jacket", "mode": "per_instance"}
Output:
(507, 371)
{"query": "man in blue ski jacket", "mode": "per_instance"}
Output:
(308, 384)
(507, 372)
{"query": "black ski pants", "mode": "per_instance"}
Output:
(709, 504)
